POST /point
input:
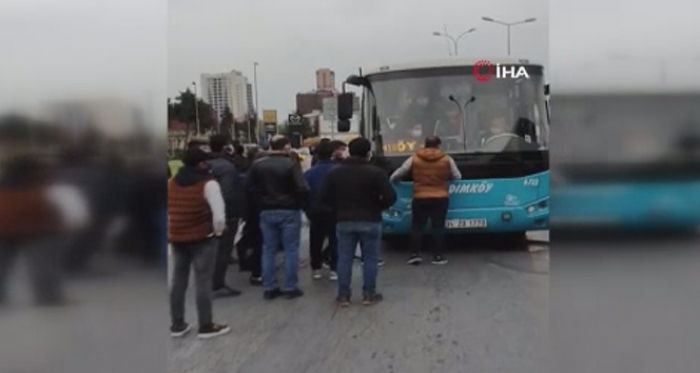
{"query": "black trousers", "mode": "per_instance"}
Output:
(424, 209)
(223, 254)
(322, 226)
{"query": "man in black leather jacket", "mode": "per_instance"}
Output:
(281, 192)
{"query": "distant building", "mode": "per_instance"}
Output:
(111, 117)
(227, 89)
(308, 102)
(325, 80)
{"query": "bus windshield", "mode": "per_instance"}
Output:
(506, 115)
(624, 129)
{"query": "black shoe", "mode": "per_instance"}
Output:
(381, 262)
(343, 301)
(369, 300)
(439, 260)
(212, 330)
(415, 260)
(272, 294)
(296, 293)
(179, 330)
(255, 281)
(225, 292)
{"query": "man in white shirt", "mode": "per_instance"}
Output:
(196, 221)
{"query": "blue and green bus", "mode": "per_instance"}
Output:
(492, 117)
(627, 161)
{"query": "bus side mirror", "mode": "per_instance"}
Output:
(546, 89)
(345, 106)
(343, 126)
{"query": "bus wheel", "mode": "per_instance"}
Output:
(516, 240)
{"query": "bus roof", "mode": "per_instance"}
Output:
(445, 62)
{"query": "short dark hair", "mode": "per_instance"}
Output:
(324, 140)
(337, 144)
(279, 142)
(359, 147)
(195, 144)
(323, 151)
(194, 157)
(432, 142)
(218, 142)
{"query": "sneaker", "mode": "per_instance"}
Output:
(291, 294)
(179, 330)
(213, 330)
(316, 274)
(303, 263)
(272, 294)
(225, 292)
(343, 301)
(255, 281)
(414, 260)
(439, 260)
(333, 276)
(369, 300)
(326, 265)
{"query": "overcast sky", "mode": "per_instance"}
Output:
(291, 39)
(146, 50)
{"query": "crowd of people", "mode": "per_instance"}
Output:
(62, 212)
(264, 193)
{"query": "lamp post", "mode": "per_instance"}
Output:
(509, 25)
(455, 41)
(196, 106)
(257, 108)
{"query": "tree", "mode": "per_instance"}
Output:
(227, 123)
(183, 109)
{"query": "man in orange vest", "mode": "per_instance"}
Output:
(431, 170)
(196, 221)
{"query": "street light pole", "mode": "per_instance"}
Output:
(257, 108)
(455, 41)
(196, 106)
(508, 26)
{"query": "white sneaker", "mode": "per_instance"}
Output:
(333, 276)
(316, 275)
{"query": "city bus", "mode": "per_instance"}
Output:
(626, 161)
(491, 116)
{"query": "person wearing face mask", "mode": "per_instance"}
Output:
(339, 149)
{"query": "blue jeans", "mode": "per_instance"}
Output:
(280, 227)
(369, 236)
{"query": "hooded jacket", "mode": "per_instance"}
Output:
(432, 171)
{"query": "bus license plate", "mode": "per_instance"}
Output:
(465, 223)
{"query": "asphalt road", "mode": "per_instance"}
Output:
(485, 311)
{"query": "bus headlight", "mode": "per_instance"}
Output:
(531, 209)
(393, 214)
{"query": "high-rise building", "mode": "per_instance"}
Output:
(227, 89)
(325, 80)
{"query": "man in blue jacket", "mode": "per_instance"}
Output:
(321, 218)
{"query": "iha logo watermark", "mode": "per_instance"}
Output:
(484, 70)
